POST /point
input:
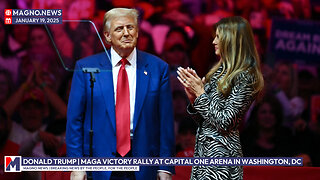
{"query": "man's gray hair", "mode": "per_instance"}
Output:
(118, 12)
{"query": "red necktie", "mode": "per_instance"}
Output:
(123, 111)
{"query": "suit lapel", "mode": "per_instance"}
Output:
(143, 76)
(106, 84)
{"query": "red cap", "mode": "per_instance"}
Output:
(35, 94)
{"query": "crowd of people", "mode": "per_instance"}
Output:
(35, 87)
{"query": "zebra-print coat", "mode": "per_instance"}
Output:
(218, 118)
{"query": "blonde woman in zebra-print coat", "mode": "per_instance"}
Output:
(220, 100)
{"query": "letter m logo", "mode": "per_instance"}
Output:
(12, 163)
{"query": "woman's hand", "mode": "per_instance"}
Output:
(193, 84)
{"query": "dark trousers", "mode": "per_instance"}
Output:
(123, 175)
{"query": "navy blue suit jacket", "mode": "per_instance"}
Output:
(153, 132)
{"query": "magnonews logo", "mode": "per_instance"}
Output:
(12, 163)
(8, 12)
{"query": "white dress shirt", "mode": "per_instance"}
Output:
(132, 78)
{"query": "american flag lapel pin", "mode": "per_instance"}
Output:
(145, 72)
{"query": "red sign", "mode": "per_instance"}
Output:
(8, 12)
(8, 20)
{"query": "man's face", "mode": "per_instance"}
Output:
(123, 34)
(32, 113)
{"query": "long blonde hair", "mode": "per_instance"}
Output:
(238, 54)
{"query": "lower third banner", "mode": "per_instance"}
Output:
(18, 163)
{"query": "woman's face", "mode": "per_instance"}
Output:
(175, 49)
(266, 117)
(216, 43)
(282, 77)
(39, 38)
